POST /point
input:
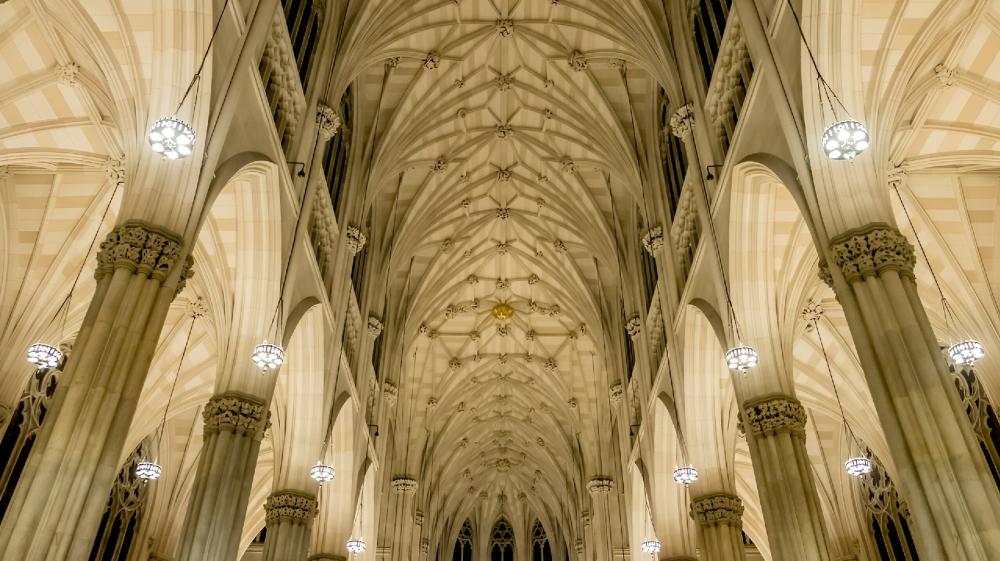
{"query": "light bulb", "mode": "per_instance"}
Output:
(268, 356)
(742, 358)
(171, 138)
(43, 355)
(845, 140)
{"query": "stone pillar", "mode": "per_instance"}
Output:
(289, 516)
(56, 508)
(939, 465)
(720, 526)
(404, 491)
(600, 488)
(775, 429)
(234, 426)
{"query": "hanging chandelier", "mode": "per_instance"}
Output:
(742, 358)
(685, 475)
(322, 473)
(171, 138)
(845, 140)
(965, 353)
(356, 545)
(651, 546)
(43, 355)
(858, 467)
(268, 356)
(148, 470)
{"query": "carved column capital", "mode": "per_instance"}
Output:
(140, 248)
(356, 239)
(237, 413)
(600, 485)
(328, 121)
(633, 326)
(717, 508)
(374, 326)
(653, 240)
(290, 506)
(390, 393)
(615, 393)
(872, 249)
(682, 121)
(773, 414)
(404, 485)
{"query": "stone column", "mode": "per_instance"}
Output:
(234, 426)
(939, 465)
(600, 488)
(720, 526)
(775, 429)
(58, 502)
(404, 491)
(289, 515)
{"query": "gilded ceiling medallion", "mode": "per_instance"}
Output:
(503, 311)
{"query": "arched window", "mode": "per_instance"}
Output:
(889, 515)
(502, 542)
(463, 545)
(709, 25)
(122, 513)
(982, 415)
(540, 549)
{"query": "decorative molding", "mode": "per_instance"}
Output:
(633, 326)
(114, 169)
(326, 557)
(682, 121)
(197, 308)
(237, 413)
(374, 326)
(418, 517)
(716, 509)
(328, 121)
(69, 74)
(811, 313)
(945, 75)
(505, 27)
(577, 61)
(653, 240)
(600, 485)
(356, 239)
(390, 393)
(774, 414)
(290, 506)
(142, 249)
(616, 393)
(432, 61)
(404, 485)
(870, 250)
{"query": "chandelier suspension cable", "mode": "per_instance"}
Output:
(833, 383)
(204, 58)
(923, 251)
(173, 387)
(829, 91)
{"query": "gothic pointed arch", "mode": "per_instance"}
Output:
(463, 544)
(502, 541)
(541, 550)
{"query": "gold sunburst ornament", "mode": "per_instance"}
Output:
(503, 311)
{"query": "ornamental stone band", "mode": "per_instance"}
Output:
(600, 485)
(717, 508)
(871, 250)
(237, 413)
(404, 485)
(774, 414)
(291, 506)
(140, 248)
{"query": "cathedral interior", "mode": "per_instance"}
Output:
(499, 280)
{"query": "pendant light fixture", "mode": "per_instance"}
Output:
(149, 469)
(964, 350)
(846, 138)
(356, 544)
(650, 545)
(322, 473)
(685, 475)
(170, 137)
(857, 466)
(46, 355)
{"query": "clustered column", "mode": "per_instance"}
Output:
(720, 525)
(404, 491)
(234, 426)
(62, 491)
(289, 516)
(939, 464)
(775, 428)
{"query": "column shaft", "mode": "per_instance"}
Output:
(775, 427)
(289, 516)
(60, 497)
(234, 426)
(720, 526)
(939, 465)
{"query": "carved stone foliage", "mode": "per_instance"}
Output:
(404, 485)
(237, 413)
(717, 508)
(653, 240)
(871, 250)
(374, 326)
(142, 249)
(390, 393)
(682, 121)
(328, 121)
(290, 506)
(356, 239)
(633, 326)
(774, 414)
